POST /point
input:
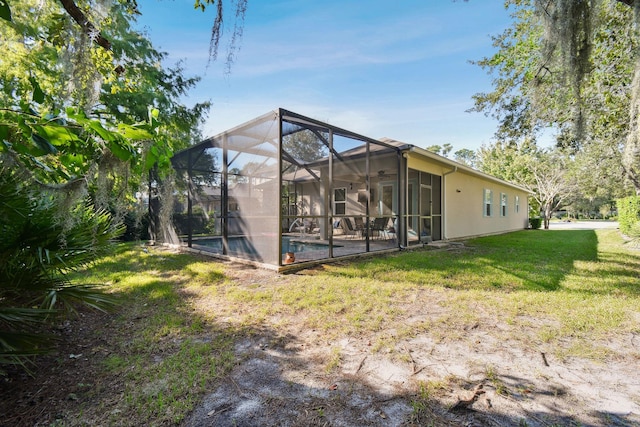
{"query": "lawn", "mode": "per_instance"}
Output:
(571, 296)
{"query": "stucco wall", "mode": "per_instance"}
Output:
(426, 165)
(464, 207)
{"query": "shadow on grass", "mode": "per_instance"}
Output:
(130, 258)
(146, 362)
(532, 260)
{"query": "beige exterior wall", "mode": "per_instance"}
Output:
(426, 165)
(463, 204)
(464, 208)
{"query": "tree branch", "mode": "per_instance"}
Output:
(90, 30)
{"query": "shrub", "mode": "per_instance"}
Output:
(39, 247)
(136, 226)
(629, 215)
(535, 222)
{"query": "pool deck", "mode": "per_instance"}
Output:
(342, 246)
(318, 249)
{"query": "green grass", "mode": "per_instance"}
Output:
(576, 285)
(164, 355)
(564, 292)
(557, 285)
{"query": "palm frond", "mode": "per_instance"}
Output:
(11, 317)
(39, 248)
(70, 295)
(20, 348)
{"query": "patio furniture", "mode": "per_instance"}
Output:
(310, 226)
(379, 226)
(347, 227)
(360, 226)
(303, 226)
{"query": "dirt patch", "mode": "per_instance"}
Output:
(63, 380)
(289, 385)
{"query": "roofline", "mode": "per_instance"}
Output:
(291, 117)
(462, 167)
(388, 142)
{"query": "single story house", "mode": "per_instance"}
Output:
(289, 190)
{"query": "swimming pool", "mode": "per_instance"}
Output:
(303, 245)
(264, 248)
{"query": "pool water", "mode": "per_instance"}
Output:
(255, 245)
(297, 246)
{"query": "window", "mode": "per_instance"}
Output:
(503, 204)
(386, 200)
(517, 204)
(488, 199)
(339, 201)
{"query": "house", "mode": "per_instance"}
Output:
(290, 189)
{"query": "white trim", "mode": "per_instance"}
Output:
(485, 202)
(342, 202)
(504, 203)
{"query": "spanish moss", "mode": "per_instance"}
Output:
(631, 154)
(569, 28)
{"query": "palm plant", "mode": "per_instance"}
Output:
(38, 248)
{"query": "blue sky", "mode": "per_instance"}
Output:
(382, 69)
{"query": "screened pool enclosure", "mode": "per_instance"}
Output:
(284, 189)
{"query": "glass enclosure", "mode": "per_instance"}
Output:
(424, 207)
(284, 189)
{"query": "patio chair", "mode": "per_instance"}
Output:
(309, 226)
(302, 226)
(379, 227)
(360, 227)
(347, 227)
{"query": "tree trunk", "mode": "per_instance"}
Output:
(90, 30)
(547, 214)
(631, 154)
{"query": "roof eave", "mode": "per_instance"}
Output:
(461, 167)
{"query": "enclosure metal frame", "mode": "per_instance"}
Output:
(282, 117)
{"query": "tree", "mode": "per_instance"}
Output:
(442, 150)
(570, 66)
(518, 73)
(304, 146)
(84, 117)
(86, 111)
(89, 28)
(542, 172)
(466, 157)
(599, 53)
(550, 185)
(86, 55)
(72, 106)
(509, 161)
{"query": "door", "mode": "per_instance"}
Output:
(413, 217)
(387, 205)
(425, 213)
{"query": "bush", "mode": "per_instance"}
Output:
(39, 247)
(535, 222)
(629, 215)
(136, 227)
(198, 223)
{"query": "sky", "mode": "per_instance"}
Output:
(378, 68)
